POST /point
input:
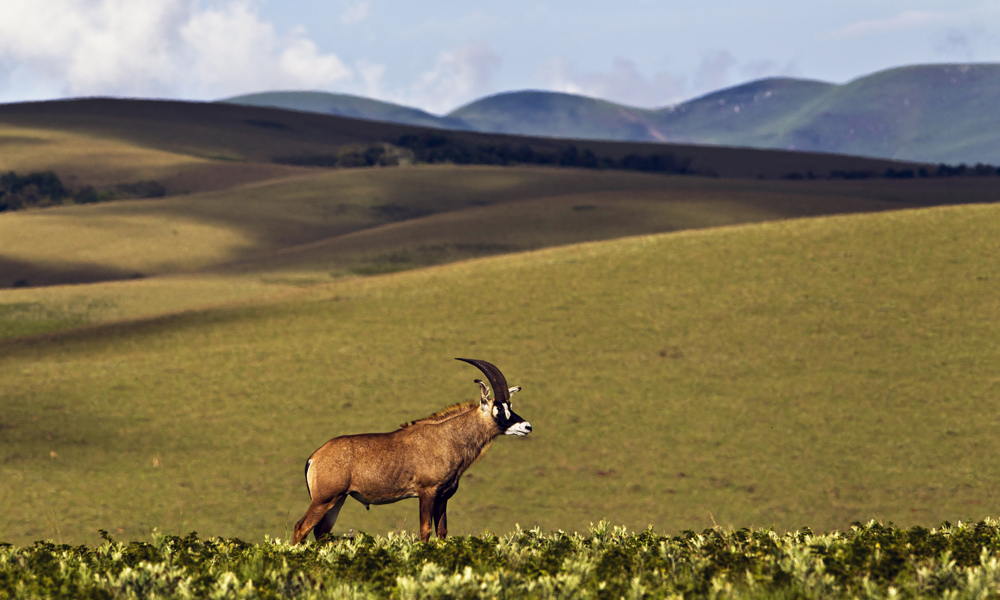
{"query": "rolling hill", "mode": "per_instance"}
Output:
(922, 113)
(225, 133)
(332, 223)
(234, 206)
(558, 115)
(170, 362)
(811, 371)
(932, 113)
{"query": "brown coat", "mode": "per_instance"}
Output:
(423, 459)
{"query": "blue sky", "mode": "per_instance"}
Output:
(439, 55)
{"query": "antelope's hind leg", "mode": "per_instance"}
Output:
(321, 516)
(325, 524)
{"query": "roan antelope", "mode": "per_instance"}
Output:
(422, 459)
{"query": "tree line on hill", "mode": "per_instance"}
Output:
(44, 188)
(436, 148)
(942, 170)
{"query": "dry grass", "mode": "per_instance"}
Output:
(321, 224)
(90, 159)
(82, 158)
(797, 372)
(27, 311)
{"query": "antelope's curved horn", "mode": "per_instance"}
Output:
(501, 393)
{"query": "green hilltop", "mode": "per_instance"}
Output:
(928, 113)
(346, 105)
(558, 115)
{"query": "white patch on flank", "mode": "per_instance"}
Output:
(522, 428)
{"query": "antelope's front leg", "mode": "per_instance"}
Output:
(440, 517)
(426, 514)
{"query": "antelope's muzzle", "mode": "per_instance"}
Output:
(519, 428)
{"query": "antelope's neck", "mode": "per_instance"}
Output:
(470, 435)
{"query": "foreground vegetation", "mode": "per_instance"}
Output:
(867, 561)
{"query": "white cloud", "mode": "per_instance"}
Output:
(355, 13)
(714, 71)
(624, 84)
(371, 76)
(904, 21)
(165, 48)
(459, 76)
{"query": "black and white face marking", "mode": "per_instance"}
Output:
(505, 418)
(508, 421)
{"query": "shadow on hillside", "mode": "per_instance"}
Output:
(15, 273)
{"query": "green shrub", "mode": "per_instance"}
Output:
(871, 560)
(39, 188)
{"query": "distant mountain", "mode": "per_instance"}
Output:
(703, 120)
(558, 115)
(346, 105)
(753, 114)
(927, 113)
(934, 113)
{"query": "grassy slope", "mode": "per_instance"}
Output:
(943, 113)
(753, 114)
(799, 372)
(250, 134)
(326, 223)
(574, 208)
(102, 161)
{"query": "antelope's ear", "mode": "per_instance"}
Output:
(484, 393)
(511, 392)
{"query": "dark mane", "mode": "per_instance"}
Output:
(444, 414)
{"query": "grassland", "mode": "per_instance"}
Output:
(231, 208)
(259, 135)
(316, 224)
(103, 161)
(766, 371)
(814, 371)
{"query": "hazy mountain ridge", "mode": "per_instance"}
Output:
(931, 113)
(347, 105)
